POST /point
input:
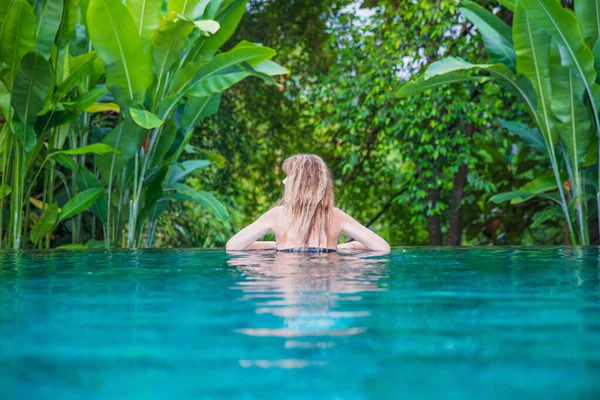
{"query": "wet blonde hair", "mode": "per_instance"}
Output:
(308, 196)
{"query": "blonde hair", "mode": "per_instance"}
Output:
(308, 196)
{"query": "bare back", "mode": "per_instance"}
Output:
(286, 237)
(279, 222)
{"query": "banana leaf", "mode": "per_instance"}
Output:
(117, 42)
(496, 34)
(49, 18)
(17, 37)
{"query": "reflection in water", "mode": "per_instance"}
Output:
(305, 293)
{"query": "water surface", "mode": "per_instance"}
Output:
(186, 324)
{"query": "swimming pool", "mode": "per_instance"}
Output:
(424, 323)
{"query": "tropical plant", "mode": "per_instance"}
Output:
(342, 103)
(547, 60)
(444, 135)
(126, 83)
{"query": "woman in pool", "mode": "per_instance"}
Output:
(306, 219)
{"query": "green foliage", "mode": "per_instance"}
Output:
(551, 52)
(343, 102)
(99, 100)
(126, 123)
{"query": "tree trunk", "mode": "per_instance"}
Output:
(458, 191)
(434, 225)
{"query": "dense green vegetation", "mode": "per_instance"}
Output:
(443, 123)
(546, 60)
(100, 100)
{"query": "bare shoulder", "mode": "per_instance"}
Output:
(339, 214)
(273, 214)
(341, 218)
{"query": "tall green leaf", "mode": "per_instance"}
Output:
(574, 127)
(213, 8)
(127, 138)
(192, 9)
(17, 37)
(182, 77)
(79, 68)
(252, 54)
(81, 202)
(146, 14)
(217, 83)
(86, 180)
(32, 86)
(5, 95)
(195, 110)
(165, 141)
(4, 5)
(182, 171)
(531, 136)
(203, 198)
(114, 35)
(49, 18)
(532, 45)
(229, 19)
(153, 191)
(562, 25)
(44, 224)
(68, 21)
(496, 34)
(25, 132)
(167, 44)
(588, 15)
(88, 98)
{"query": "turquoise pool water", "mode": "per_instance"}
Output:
(418, 323)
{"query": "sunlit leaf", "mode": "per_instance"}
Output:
(103, 107)
(114, 35)
(81, 202)
(146, 14)
(145, 118)
(207, 25)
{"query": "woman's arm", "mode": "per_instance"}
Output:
(353, 245)
(362, 234)
(247, 236)
(262, 246)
